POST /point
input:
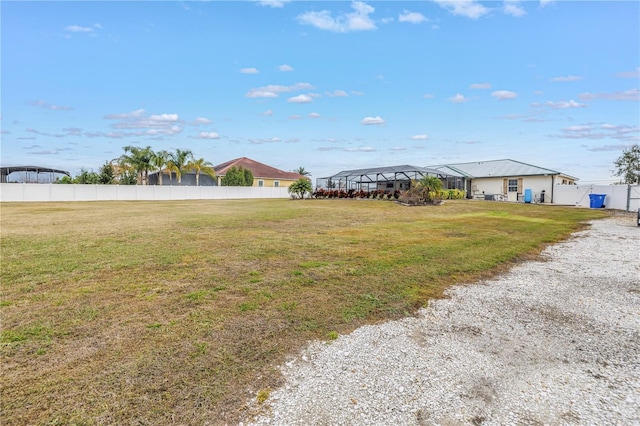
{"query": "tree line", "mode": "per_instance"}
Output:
(134, 166)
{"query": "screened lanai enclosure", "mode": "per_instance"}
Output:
(30, 174)
(389, 178)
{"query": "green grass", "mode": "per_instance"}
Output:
(179, 312)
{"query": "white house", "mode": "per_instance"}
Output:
(507, 179)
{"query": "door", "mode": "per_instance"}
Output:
(512, 188)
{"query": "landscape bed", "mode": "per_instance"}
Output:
(179, 312)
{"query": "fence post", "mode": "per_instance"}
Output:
(628, 197)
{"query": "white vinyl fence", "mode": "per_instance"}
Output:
(618, 197)
(18, 192)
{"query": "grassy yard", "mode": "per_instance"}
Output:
(178, 312)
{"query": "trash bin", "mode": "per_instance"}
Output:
(527, 196)
(596, 201)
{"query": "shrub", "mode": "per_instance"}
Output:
(300, 188)
(453, 194)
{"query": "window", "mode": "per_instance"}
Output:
(513, 185)
(276, 183)
(389, 185)
(260, 183)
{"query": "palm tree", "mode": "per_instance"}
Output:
(138, 160)
(302, 172)
(179, 161)
(200, 166)
(160, 160)
(431, 188)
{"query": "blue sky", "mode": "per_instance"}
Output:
(323, 85)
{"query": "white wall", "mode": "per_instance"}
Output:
(496, 185)
(616, 195)
(16, 192)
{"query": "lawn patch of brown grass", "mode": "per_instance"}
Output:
(179, 312)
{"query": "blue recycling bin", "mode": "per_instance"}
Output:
(596, 201)
(527, 195)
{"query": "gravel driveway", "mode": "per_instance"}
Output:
(555, 341)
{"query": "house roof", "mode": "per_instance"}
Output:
(259, 170)
(496, 168)
(385, 171)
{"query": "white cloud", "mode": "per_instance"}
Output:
(285, 68)
(268, 113)
(78, 29)
(565, 104)
(132, 114)
(513, 8)
(153, 125)
(469, 8)
(458, 99)
(208, 135)
(273, 3)
(272, 90)
(261, 93)
(201, 120)
(336, 94)
(360, 149)
(295, 117)
(45, 105)
(300, 99)
(261, 141)
(566, 78)
(358, 20)
(428, 96)
(411, 17)
(372, 121)
(544, 3)
(605, 131)
(627, 95)
(480, 86)
(422, 137)
(357, 93)
(398, 148)
(579, 128)
(629, 74)
(314, 115)
(163, 118)
(503, 95)
(249, 71)
(50, 152)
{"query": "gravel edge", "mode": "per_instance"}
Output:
(553, 341)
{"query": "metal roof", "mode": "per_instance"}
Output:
(11, 169)
(496, 168)
(385, 171)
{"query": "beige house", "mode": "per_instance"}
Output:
(263, 175)
(508, 180)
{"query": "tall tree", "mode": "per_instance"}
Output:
(628, 165)
(179, 161)
(106, 175)
(301, 171)
(160, 161)
(237, 177)
(200, 166)
(139, 160)
(248, 177)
